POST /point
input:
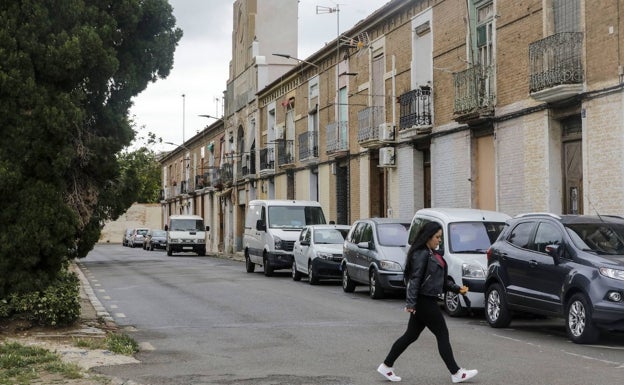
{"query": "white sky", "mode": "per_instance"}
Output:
(200, 69)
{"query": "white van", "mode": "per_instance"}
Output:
(186, 233)
(271, 229)
(466, 236)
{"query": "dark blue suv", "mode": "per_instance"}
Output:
(569, 266)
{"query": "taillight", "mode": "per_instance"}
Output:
(488, 253)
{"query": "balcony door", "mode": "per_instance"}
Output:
(572, 165)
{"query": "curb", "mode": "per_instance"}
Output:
(86, 286)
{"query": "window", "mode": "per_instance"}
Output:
(392, 234)
(547, 234)
(521, 234)
(567, 15)
(485, 45)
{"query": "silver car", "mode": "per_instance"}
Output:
(318, 252)
(374, 255)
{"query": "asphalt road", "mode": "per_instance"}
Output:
(204, 320)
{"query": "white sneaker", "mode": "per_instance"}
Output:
(388, 372)
(463, 375)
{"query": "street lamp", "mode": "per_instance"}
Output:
(209, 116)
(287, 56)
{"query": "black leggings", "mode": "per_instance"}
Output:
(428, 314)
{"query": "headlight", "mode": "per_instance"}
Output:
(175, 240)
(612, 273)
(390, 265)
(472, 271)
(201, 240)
(323, 255)
(278, 243)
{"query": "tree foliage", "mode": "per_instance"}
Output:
(68, 72)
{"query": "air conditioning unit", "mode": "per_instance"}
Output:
(386, 132)
(386, 157)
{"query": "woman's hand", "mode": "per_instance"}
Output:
(410, 310)
(463, 290)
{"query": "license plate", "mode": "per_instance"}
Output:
(188, 247)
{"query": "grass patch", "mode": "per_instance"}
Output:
(116, 343)
(20, 364)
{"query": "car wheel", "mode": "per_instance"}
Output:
(496, 310)
(249, 266)
(202, 252)
(348, 286)
(169, 251)
(579, 324)
(296, 275)
(268, 269)
(312, 278)
(374, 286)
(452, 304)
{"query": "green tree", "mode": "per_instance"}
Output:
(68, 72)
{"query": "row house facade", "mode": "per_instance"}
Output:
(505, 105)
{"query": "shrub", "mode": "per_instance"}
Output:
(57, 305)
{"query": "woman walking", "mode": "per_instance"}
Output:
(426, 272)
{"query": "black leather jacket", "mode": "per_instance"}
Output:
(427, 277)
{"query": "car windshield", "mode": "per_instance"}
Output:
(392, 234)
(187, 225)
(142, 231)
(159, 233)
(473, 237)
(603, 238)
(295, 217)
(330, 236)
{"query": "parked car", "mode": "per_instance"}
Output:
(318, 252)
(271, 229)
(127, 237)
(466, 236)
(568, 266)
(155, 239)
(136, 239)
(374, 255)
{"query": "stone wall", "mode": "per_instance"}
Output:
(138, 215)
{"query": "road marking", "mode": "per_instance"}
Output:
(146, 346)
(120, 315)
(619, 364)
(113, 306)
(107, 297)
(101, 291)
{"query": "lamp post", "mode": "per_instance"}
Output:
(209, 116)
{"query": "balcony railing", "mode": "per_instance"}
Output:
(225, 175)
(337, 137)
(285, 152)
(207, 179)
(369, 120)
(308, 146)
(474, 89)
(556, 60)
(267, 160)
(246, 165)
(415, 108)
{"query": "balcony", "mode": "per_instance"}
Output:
(225, 176)
(207, 179)
(246, 166)
(267, 161)
(285, 153)
(474, 94)
(415, 113)
(556, 66)
(369, 120)
(337, 139)
(308, 147)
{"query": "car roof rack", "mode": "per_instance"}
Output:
(543, 214)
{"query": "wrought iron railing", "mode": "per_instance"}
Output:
(267, 159)
(285, 152)
(474, 89)
(337, 137)
(556, 60)
(245, 165)
(369, 120)
(308, 145)
(415, 108)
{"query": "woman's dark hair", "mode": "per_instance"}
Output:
(420, 242)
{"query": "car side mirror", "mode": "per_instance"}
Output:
(304, 243)
(207, 228)
(555, 251)
(260, 225)
(166, 228)
(364, 245)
